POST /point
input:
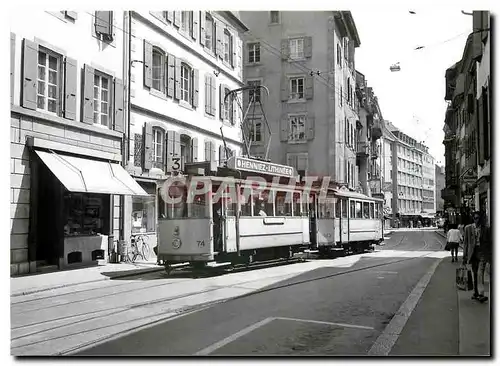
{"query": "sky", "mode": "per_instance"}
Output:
(413, 98)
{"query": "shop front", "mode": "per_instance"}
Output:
(75, 207)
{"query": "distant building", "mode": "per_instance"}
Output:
(440, 184)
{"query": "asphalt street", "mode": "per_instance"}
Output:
(325, 311)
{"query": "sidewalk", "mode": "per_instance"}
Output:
(446, 321)
(33, 283)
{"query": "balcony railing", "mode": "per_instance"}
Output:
(363, 149)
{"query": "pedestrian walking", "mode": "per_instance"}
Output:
(453, 239)
(477, 252)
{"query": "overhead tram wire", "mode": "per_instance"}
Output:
(270, 49)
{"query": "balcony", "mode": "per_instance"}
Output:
(363, 149)
(376, 130)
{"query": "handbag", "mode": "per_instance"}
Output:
(464, 279)
(447, 246)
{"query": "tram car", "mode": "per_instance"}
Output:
(207, 224)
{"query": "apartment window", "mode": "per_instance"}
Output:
(186, 17)
(102, 102)
(254, 93)
(275, 17)
(49, 81)
(296, 48)
(185, 83)
(256, 130)
(209, 33)
(297, 128)
(254, 52)
(158, 70)
(227, 46)
(228, 110)
(339, 55)
(297, 88)
(158, 143)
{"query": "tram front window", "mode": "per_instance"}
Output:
(283, 208)
(366, 210)
(297, 204)
(344, 208)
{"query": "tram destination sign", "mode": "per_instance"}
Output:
(263, 167)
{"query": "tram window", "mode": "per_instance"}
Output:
(321, 210)
(330, 208)
(366, 210)
(337, 209)
(353, 210)
(263, 204)
(268, 197)
(198, 208)
(359, 214)
(297, 204)
(177, 210)
(372, 213)
(283, 207)
(245, 202)
(344, 208)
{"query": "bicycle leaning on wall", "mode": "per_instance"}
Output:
(139, 247)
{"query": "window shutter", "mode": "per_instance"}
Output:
(285, 88)
(310, 127)
(307, 47)
(196, 87)
(88, 95)
(222, 158)
(285, 49)
(194, 149)
(207, 150)
(239, 51)
(177, 18)
(203, 18)
(70, 89)
(119, 104)
(302, 162)
(219, 37)
(212, 151)
(148, 64)
(235, 112)
(170, 15)
(12, 65)
(485, 24)
(177, 144)
(284, 129)
(221, 101)
(103, 22)
(72, 14)
(214, 96)
(177, 94)
(30, 62)
(291, 160)
(195, 25)
(170, 140)
(233, 50)
(208, 90)
(309, 92)
(147, 157)
(171, 75)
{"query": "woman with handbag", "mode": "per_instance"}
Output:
(453, 238)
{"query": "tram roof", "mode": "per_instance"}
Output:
(350, 194)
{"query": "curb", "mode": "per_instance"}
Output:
(55, 287)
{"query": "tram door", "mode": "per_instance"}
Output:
(344, 221)
(312, 205)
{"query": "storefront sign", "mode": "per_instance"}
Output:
(262, 167)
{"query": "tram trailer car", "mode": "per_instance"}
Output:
(348, 222)
(211, 230)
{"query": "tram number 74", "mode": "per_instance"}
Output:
(201, 243)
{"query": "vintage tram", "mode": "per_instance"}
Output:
(254, 211)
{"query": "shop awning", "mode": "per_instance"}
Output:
(90, 176)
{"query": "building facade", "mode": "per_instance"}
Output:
(482, 55)
(67, 126)
(440, 185)
(428, 183)
(311, 107)
(182, 66)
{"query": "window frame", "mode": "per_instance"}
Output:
(59, 79)
(163, 69)
(298, 55)
(277, 13)
(250, 92)
(254, 132)
(102, 76)
(210, 19)
(186, 69)
(291, 93)
(255, 48)
(227, 42)
(291, 136)
(228, 108)
(186, 21)
(158, 163)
